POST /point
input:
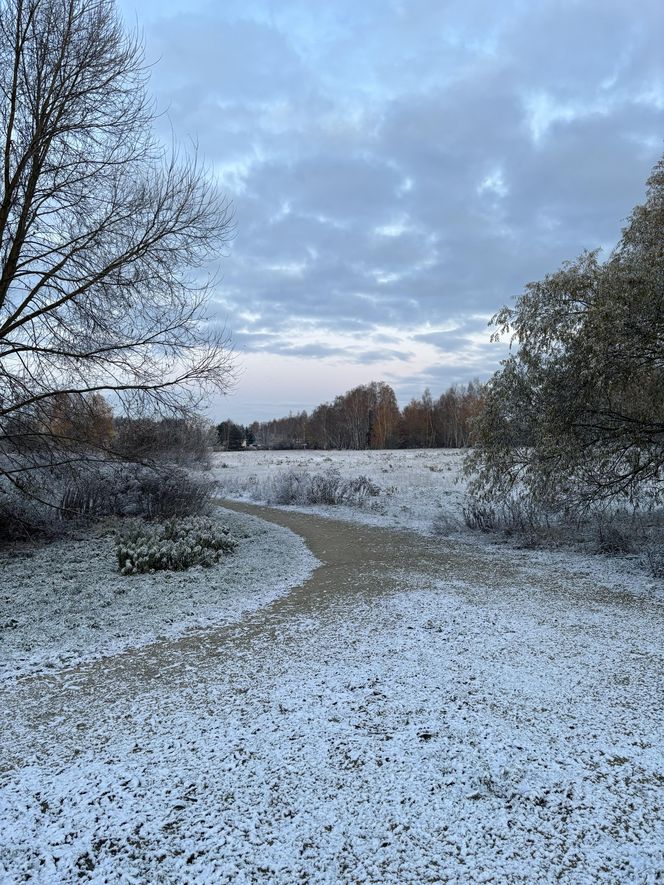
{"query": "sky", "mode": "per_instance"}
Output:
(399, 170)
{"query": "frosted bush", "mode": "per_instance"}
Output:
(289, 488)
(329, 487)
(359, 489)
(173, 545)
(133, 490)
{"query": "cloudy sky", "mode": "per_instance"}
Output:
(400, 168)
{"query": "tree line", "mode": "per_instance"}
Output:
(368, 417)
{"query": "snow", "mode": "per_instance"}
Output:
(65, 603)
(422, 490)
(418, 710)
(419, 487)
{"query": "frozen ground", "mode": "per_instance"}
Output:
(65, 602)
(419, 710)
(419, 489)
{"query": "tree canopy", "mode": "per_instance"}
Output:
(575, 416)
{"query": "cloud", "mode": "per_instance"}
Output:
(396, 164)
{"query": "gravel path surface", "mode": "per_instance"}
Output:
(416, 711)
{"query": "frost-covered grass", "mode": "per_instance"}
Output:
(426, 709)
(415, 489)
(64, 602)
(424, 490)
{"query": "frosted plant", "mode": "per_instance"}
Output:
(173, 545)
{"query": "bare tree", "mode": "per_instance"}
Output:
(103, 234)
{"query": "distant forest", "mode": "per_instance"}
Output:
(368, 417)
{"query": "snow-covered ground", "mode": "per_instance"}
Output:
(65, 602)
(421, 709)
(420, 489)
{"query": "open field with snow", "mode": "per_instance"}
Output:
(421, 490)
(417, 488)
(422, 706)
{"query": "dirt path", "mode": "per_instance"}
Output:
(356, 561)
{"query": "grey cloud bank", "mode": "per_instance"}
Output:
(400, 170)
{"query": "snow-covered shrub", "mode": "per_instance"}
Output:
(173, 545)
(517, 516)
(92, 493)
(324, 488)
(287, 488)
(655, 559)
(360, 488)
(444, 523)
(174, 493)
(480, 516)
(121, 489)
(329, 487)
(612, 540)
(21, 516)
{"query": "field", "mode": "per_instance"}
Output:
(363, 692)
(416, 489)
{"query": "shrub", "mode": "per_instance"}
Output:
(443, 523)
(611, 540)
(609, 531)
(480, 516)
(655, 560)
(360, 488)
(300, 487)
(287, 488)
(176, 493)
(517, 517)
(22, 517)
(173, 440)
(174, 545)
(132, 490)
(324, 488)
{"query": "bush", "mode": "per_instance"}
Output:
(300, 487)
(131, 490)
(174, 545)
(612, 540)
(443, 524)
(177, 493)
(286, 488)
(174, 440)
(609, 531)
(360, 488)
(481, 517)
(655, 560)
(22, 517)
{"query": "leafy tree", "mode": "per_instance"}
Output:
(101, 233)
(575, 416)
(384, 416)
